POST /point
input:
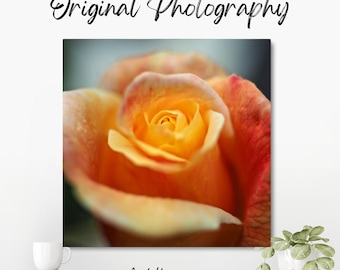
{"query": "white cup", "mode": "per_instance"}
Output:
(50, 255)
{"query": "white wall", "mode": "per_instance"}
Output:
(306, 132)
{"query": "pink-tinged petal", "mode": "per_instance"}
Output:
(250, 113)
(152, 92)
(192, 180)
(156, 217)
(88, 115)
(123, 73)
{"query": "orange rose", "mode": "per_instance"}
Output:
(170, 151)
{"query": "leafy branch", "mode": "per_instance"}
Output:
(302, 244)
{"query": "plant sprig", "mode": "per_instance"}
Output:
(302, 244)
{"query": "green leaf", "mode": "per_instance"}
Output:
(282, 245)
(300, 237)
(263, 266)
(300, 251)
(287, 234)
(311, 265)
(325, 263)
(317, 230)
(317, 238)
(276, 239)
(268, 252)
(306, 227)
(325, 249)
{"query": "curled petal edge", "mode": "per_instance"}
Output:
(122, 145)
(156, 217)
(151, 89)
(119, 76)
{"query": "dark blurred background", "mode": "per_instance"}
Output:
(85, 61)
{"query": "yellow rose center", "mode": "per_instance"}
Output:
(172, 120)
(179, 130)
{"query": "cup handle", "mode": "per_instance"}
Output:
(68, 257)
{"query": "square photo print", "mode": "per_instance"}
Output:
(166, 142)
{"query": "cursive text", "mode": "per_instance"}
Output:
(217, 10)
(220, 10)
(60, 10)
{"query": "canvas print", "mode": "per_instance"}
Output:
(166, 143)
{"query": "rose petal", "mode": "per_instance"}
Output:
(135, 173)
(216, 123)
(123, 73)
(182, 142)
(156, 217)
(88, 115)
(153, 92)
(165, 161)
(250, 115)
(122, 145)
(193, 180)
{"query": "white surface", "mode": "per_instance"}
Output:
(306, 133)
